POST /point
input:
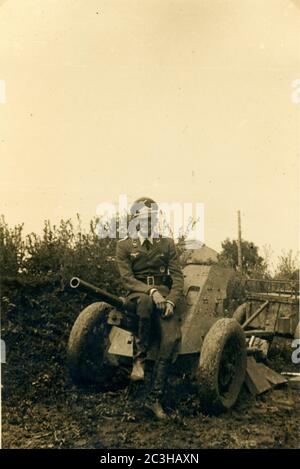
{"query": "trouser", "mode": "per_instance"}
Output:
(149, 321)
(168, 329)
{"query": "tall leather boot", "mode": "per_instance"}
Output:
(153, 401)
(140, 347)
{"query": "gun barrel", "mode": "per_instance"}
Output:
(113, 300)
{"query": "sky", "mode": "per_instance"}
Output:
(181, 101)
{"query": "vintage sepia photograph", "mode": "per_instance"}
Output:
(149, 227)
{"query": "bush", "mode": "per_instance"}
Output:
(12, 249)
(38, 308)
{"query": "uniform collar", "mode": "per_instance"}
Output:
(142, 239)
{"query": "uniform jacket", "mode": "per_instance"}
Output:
(134, 260)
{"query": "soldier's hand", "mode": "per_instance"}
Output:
(159, 301)
(169, 311)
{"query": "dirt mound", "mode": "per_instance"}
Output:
(43, 409)
(41, 406)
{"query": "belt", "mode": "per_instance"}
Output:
(155, 279)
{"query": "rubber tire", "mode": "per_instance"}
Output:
(86, 352)
(240, 313)
(225, 333)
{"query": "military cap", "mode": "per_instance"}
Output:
(143, 206)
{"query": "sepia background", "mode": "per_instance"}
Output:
(182, 101)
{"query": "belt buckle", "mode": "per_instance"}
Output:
(150, 280)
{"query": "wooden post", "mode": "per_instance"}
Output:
(255, 314)
(239, 243)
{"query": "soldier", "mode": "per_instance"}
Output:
(151, 273)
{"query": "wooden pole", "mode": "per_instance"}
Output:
(255, 314)
(240, 266)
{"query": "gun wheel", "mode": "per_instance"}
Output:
(222, 366)
(87, 346)
(240, 314)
